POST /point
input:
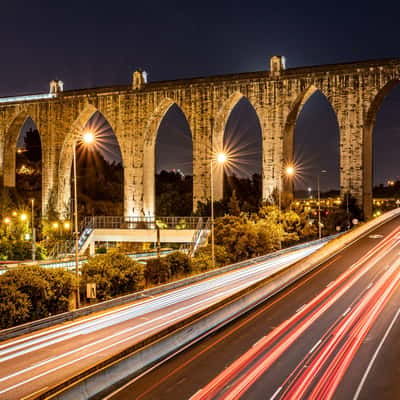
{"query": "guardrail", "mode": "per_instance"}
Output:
(100, 378)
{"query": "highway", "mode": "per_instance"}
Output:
(332, 334)
(31, 363)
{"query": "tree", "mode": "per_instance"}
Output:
(233, 205)
(33, 145)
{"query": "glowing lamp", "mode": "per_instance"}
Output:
(290, 170)
(88, 137)
(221, 158)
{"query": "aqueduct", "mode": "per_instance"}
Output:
(355, 91)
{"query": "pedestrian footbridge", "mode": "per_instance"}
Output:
(192, 231)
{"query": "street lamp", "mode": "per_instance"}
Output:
(88, 137)
(220, 158)
(288, 172)
(323, 171)
(33, 231)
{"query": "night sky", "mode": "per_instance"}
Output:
(99, 43)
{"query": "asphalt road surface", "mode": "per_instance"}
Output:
(332, 334)
(32, 363)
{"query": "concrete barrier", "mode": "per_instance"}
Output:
(71, 315)
(97, 380)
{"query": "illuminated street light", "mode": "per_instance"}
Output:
(319, 204)
(23, 217)
(221, 158)
(33, 231)
(7, 220)
(88, 137)
(67, 225)
(54, 225)
(288, 172)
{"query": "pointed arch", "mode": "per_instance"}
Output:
(10, 147)
(150, 138)
(218, 132)
(66, 155)
(368, 144)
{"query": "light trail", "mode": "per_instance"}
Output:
(376, 295)
(242, 384)
(134, 311)
(174, 305)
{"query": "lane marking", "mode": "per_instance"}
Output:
(376, 236)
(375, 355)
(301, 308)
(346, 312)
(276, 393)
(315, 346)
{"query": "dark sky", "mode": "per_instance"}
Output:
(95, 43)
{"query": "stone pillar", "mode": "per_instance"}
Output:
(351, 126)
(133, 193)
(201, 136)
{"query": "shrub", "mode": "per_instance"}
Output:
(47, 290)
(15, 306)
(172, 266)
(114, 273)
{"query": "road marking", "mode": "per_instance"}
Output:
(376, 236)
(315, 346)
(301, 308)
(330, 283)
(346, 312)
(375, 355)
(276, 393)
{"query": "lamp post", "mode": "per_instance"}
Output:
(288, 172)
(88, 138)
(33, 231)
(319, 204)
(220, 159)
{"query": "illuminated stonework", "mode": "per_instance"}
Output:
(355, 91)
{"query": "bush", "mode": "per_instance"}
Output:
(202, 260)
(19, 250)
(156, 271)
(166, 268)
(114, 273)
(38, 291)
(15, 306)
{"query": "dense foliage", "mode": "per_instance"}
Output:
(162, 270)
(114, 274)
(32, 292)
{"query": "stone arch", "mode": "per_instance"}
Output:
(218, 131)
(66, 155)
(150, 138)
(288, 136)
(10, 147)
(368, 145)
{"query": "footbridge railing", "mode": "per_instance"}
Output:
(117, 222)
